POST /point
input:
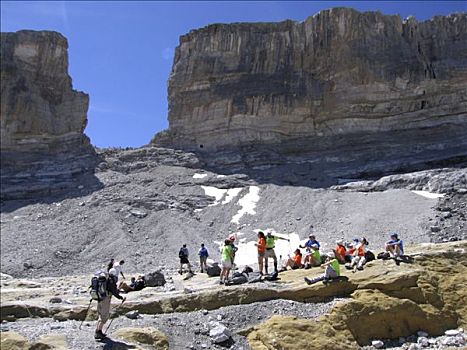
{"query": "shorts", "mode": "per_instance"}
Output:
(227, 264)
(270, 253)
(184, 261)
(103, 309)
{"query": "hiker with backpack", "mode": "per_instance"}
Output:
(183, 255)
(270, 253)
(332, 270)
(103, 286)
(203, 256)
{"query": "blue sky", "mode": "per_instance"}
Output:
(121, 52)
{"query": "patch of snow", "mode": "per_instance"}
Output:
(231, 194)
(430, 195)
(199, 176)
(215, 192)
(220, 176)
(248, 204)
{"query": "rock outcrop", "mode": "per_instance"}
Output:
(43, 147)
(360, 91)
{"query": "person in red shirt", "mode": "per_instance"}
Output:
(294, 262)
(340, 251)
(261, 245)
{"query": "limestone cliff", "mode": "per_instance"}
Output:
(339, 83)
(43, 147)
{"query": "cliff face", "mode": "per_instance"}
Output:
(43, 147)
(341, 79)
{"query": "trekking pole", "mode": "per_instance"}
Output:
(114, 318)
(86, 315)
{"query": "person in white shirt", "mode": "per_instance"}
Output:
(119, 268)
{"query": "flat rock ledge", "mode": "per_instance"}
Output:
(384, 301)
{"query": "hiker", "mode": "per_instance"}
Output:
(232, 237)
(111, 264)
(226, 260)
(394, 246)
(294, 262)
(340, 252)
(203, 256)
(103, 305)
(311, 240)
(358, 259)
(119, 268)
(183, 255)
(313, 257)
(270, 253)
(332, 270)
(261, 246)
(136, 284)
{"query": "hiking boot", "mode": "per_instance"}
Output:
(307, 280)
(99, 335)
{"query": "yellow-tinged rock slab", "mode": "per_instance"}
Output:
(144, 336)
(13, 341)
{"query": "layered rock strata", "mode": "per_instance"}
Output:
(43, 147)
(361, 91)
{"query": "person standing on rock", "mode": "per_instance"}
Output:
(119, 268)
(227, 256)
(111, 264)
(183, 255)
(261, 246)
(270, 253)
(103, 305)
(203, 256)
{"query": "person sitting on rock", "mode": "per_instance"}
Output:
(313, 257)
(394, 246)
(203, 256)
(311, 240)
(261, 246)
(294, 262)
(226, 260)
(332, 270)
(358, 259)
(270, 253)
(183, 255)
(136, 284)
(340, 251)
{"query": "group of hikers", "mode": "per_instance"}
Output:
(353, 255)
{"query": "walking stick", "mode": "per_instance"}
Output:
(85, 316)
(114, 318)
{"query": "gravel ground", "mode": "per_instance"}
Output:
(188, 330)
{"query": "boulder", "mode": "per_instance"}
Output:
(213, 270)
(219, 333)
(132, 315)
(155, 279)
(145, 336)
(50, 342)
(13, 341)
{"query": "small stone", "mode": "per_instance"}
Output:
(423, 341)
(422, 334)
(55, 300)
(452, 332)
(138, 213)
(205, 312)
(450, 341)
(435, 228)
(378, 344)
(219, 317)
(132, 315)
(81, 204)
(56, 326)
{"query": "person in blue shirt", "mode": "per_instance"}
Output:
(203, 256)
(311, 241)
(395, 246)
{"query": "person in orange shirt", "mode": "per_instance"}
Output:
(261, 245)
(340, 251)
(294, 262)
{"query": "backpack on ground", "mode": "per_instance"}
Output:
(369, 256)
(98, 288)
